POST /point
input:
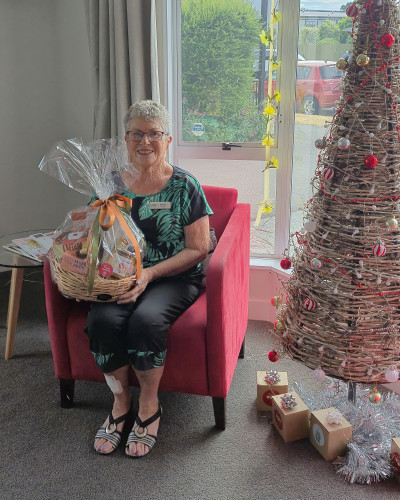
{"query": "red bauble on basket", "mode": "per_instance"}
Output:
(387, 40)
(273, 356)
(328, 173)
(309, 304)
(286, 263)
(379, 250)
(352, 10)
(371, 161)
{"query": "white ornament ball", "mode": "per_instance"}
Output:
(392, 375)
(343, 143)
(321, 143)
(310, 226)
(392, 223)
(316, 263)
(319, 374)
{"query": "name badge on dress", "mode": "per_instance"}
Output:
(160, 205)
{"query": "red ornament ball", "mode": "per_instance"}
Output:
(273, 356)
(276, 301)
(352, 10)
(379, 250)
(371, 161)
(387, 40)
(328, 173)
(309, 304)
(286, 263)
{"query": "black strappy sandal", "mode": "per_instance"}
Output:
(110, 433)
(135, 436)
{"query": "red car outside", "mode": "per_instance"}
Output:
(317, 86)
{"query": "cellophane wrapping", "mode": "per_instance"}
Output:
(95, 254)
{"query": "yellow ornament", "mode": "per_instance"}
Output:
(362, 60)
(342, 64)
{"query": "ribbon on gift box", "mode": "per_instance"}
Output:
(334, 417)
(288, 401)
(110, 209)
(272, 377)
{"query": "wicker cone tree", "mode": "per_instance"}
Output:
(342, 310)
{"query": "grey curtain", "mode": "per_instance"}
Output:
(124, 63)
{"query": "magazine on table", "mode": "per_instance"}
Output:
(35, 246)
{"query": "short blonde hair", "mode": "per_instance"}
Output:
(148, 110)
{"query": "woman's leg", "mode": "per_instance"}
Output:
(159, 306)
(149, 381)
(118, 381)
(106, 329)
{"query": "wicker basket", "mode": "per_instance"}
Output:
(75, 285)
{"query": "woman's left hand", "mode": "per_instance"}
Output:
(140, 287)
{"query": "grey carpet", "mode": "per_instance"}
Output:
(46, 452)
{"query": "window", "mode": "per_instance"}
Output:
(218, 88)
(311, 23)
(318, 92)
(330, 72)
(303, 72)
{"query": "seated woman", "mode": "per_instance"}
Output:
(169, 206)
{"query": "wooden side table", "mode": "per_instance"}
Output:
(17, 263)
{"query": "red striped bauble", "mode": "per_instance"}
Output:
(309, 304)
(379, 250)
(328, 173)
(352, 10)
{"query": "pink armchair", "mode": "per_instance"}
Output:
(203, 344)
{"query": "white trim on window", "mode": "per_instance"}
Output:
(287, 49)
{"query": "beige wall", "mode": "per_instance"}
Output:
(45, 96)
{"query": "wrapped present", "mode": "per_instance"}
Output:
(395, 456)
(330, 432)
(290, 416)
(270, 383)
(98, 250)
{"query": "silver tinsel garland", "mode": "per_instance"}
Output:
(374, 425)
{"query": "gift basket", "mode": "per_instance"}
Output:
(98, 250)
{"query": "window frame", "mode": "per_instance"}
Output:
(287, 46)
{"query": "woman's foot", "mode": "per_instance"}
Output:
(106, 446)
(139, 449)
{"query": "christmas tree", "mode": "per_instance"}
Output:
(341, 315)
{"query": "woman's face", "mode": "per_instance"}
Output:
(145, 153)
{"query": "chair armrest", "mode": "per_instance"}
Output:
(227, 300)
(58, 308)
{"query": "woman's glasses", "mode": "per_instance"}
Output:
(153, 136)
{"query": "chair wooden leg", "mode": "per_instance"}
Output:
(219, 413)
(241, 353)
(67, 387)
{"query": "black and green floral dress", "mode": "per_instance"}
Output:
(136, 333)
